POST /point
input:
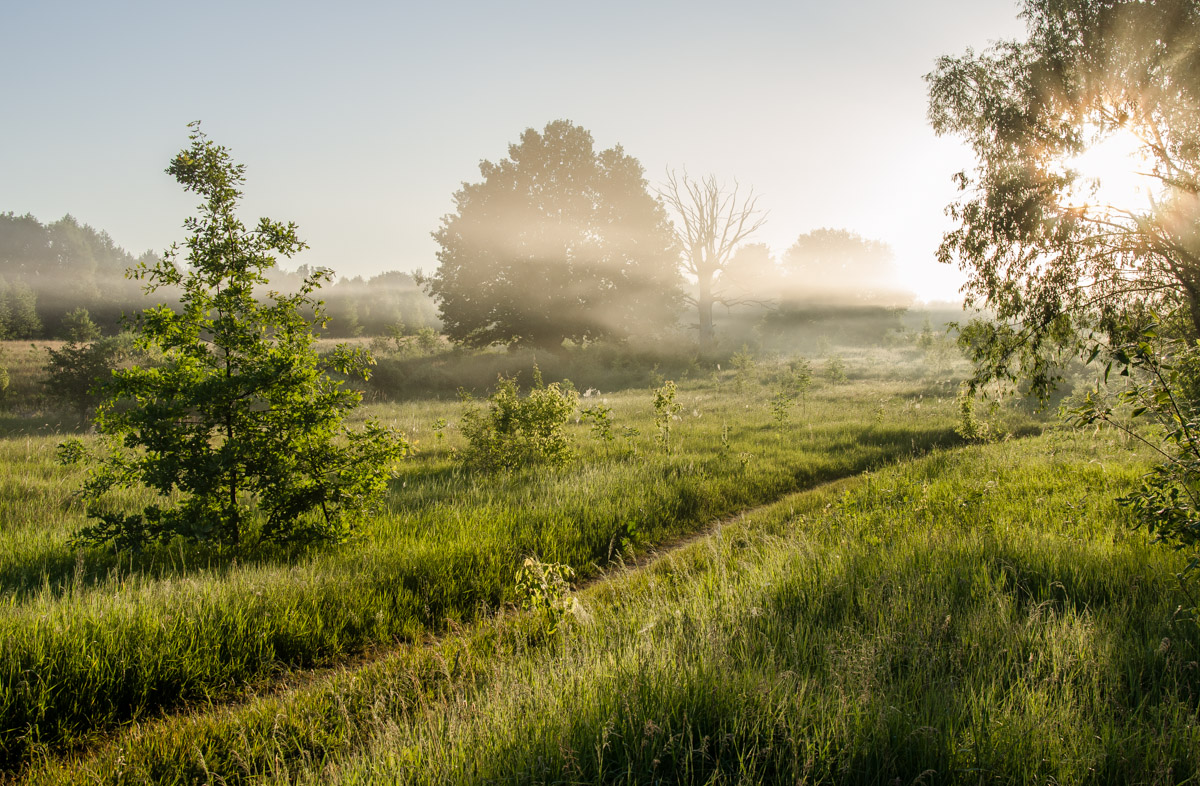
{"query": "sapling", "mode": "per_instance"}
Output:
(666, 409)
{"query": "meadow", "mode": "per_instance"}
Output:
(840, 590)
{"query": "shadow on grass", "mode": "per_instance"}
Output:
(58, 568)
(42, 425)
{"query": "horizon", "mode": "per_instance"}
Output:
(822, 116)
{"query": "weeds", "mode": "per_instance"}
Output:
(545, 588)
(666, 409)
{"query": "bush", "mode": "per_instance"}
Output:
(514, 431)
(77, 372)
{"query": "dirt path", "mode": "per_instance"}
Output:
(296, 680)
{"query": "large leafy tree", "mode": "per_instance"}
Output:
(557, 242)
(1068, 266)
(240, 425)
(1047, 248)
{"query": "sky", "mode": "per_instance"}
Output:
(360, 122)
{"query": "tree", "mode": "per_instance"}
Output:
(556, 242)
(711, 222)
(18, 311)
(752, 275)
(836, 265)
(78, 327)
(1045, 246)
(78, 372)
(240, 424)
(1067, 262)
(62, 266)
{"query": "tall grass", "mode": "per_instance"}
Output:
(981, 615)
(89, 641)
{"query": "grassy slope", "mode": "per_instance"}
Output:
(87, 641)
(979, 615)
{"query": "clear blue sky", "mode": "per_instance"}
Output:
(359, 122)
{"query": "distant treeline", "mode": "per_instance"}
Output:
(382, 305)
(49, 270)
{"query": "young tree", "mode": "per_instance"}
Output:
(78, 372)
(78, 327)
(711, 222)
(556, 242)
(240, 424)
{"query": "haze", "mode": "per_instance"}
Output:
(360, 124)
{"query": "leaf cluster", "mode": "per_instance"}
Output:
(240, 425)
(514, 431)
(1162, 388)
(1042, 253)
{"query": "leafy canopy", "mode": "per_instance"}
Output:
(1045, 247)
(1068, 266)
(241, 423)
(556, 242)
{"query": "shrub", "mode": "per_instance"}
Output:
(545, 588)
(513, 431)
(77, 373)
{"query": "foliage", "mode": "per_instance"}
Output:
(838, 266)
(556, 242)
(48, 270)
(18, 311)
(203, 622)
(791, 384)
(1046, 250)
(600, 417)
(944, 559)
(240, 424)
(5, 379)
(610, 365)
(744, 366)
(1162, 377)
(666, 409)
(970, 426)
(545, 588)
(799, 377)
(1067, 268)
(751, 277)
(781, 408)
(79, 372)
(396, 343)
(78, 327)
(514, 431)
(835, 369)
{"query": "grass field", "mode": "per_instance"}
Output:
(895, 605)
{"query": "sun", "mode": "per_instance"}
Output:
(1113, 175)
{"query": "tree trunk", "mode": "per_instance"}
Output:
(704, 304)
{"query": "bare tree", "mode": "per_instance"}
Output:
(710, 222)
